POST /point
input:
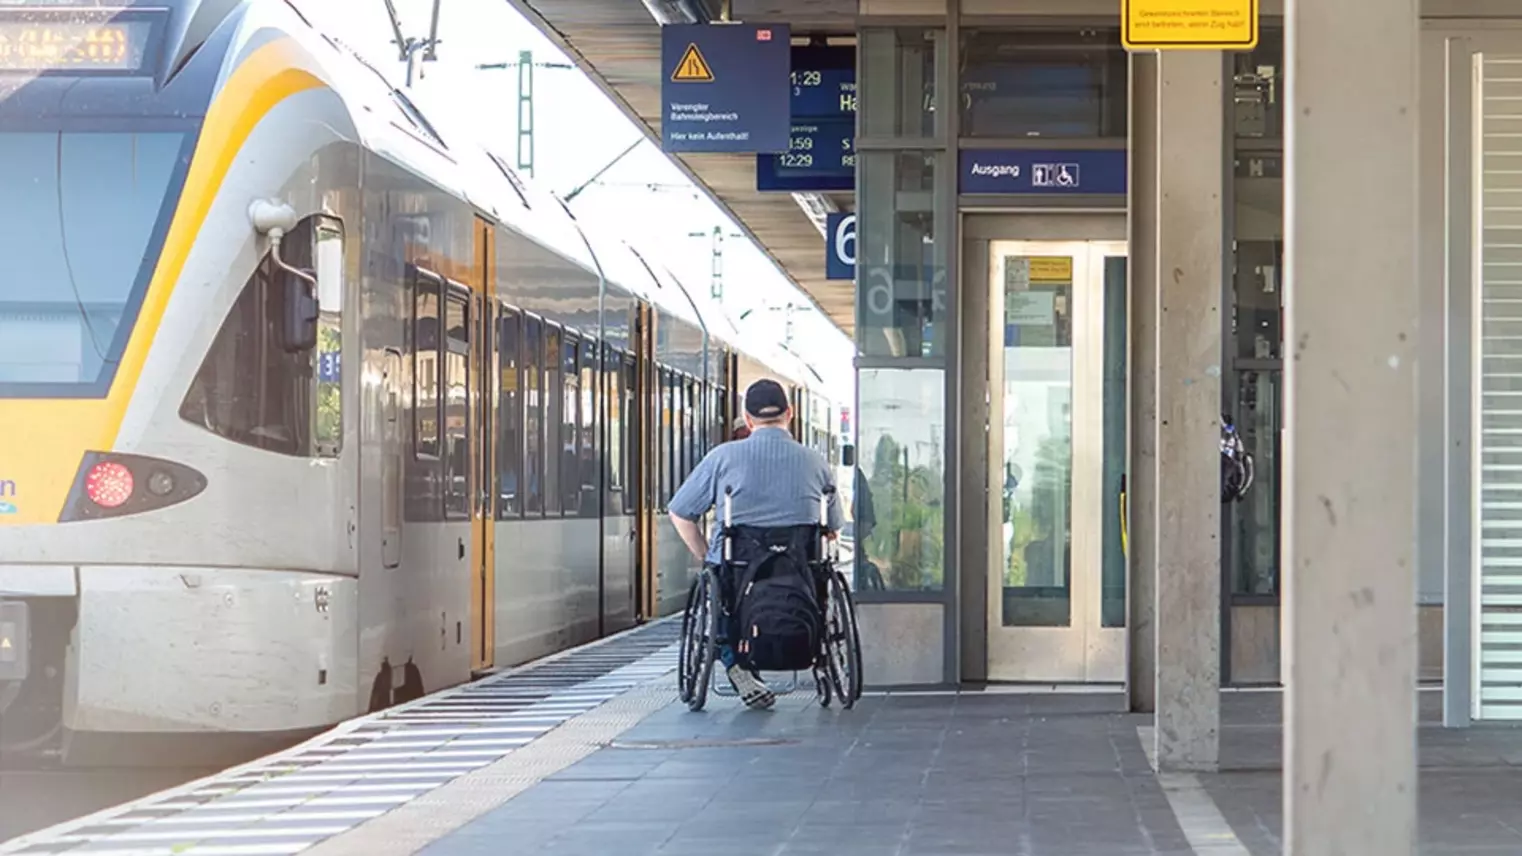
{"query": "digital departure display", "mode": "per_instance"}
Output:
(81, 46)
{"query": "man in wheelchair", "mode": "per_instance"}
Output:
(774, 486)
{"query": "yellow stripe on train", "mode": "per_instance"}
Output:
(42, 441)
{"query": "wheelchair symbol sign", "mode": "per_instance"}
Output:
(1063, 175)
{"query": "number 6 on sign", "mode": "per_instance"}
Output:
(840, 254)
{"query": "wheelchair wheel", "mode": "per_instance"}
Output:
(700, 643)
(844, 642)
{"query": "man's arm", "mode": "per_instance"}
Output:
(693, 500)
(835, 514)
(692, 535)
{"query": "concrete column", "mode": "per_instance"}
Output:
(1349, 474)
(1189, 224)
(1141, 470)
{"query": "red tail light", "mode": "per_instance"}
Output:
(108, 484)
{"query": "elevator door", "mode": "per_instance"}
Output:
(1056, 461)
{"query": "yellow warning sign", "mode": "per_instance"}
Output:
(692, 68)
(5, 644)
(1216, 25)
(1051, 269)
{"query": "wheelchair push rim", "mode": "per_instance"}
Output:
(843, 642)
(699, 642)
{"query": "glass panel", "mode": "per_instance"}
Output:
(1254, 521)
(1257, 321)
(1112, 583)
(902, 428)
(901, 269)
(1258, 77)
(901, 65)
(615, 422)
(570, 420)
(328, 435)
(456, 435)
(80, 243)
(425, 368)
(1038, 440)
(250, 389)
(629, 424)
(533, 415)
(510, 416)
(552, 399)
(1043, 83)
(588, 416)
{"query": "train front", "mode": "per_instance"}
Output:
(129, 616)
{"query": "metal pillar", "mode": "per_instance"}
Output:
(1350, 427)
(1188, 476)
(1456, 492)
(1141, 478)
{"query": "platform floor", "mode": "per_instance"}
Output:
(591, 755)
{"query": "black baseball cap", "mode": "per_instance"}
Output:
(766, 399)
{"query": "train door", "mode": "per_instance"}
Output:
(483, 396)
(646, 461)
(617, 416)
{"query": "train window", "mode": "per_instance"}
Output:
(689, 425)
(629, 420)
(570, 418)
(457, 470)
(612, 415)
(553, 447)
(425, 365)
(533, 416)
(721, 429)
(482, 408)
(329, 253)
(589, 415)
(509, 416)
(664, 461)
(252, 388)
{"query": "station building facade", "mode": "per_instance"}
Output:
(996, 352)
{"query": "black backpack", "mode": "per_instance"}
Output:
(778, 624)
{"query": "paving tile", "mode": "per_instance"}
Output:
(975, 775)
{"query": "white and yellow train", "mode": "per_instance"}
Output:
(309, 406)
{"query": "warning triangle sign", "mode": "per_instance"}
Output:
(5, 644)
(692, 68)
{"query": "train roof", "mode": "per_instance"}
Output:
(392, 122)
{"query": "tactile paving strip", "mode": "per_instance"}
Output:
(291, 801)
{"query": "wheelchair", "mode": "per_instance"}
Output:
(837, 665)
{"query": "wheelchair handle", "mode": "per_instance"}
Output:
(729, 517)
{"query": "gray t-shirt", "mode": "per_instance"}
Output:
(777, 481)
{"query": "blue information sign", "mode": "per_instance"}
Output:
(840, 246)
(724, 88)
(821, 153)
(1049, 172)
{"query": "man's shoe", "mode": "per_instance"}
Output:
(753, 692)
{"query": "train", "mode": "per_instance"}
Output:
(309, 404)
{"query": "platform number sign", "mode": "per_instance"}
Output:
(840, 251)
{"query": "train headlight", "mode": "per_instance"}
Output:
(161, 484)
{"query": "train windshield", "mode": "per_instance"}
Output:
(83, 215)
